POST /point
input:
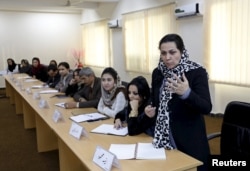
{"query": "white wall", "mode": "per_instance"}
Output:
(191, 29)
(45, 35)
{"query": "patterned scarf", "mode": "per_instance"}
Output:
(161, 135)
(109, 97)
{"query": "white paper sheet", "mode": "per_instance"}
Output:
(48, 91)
(138, 151)
(109, 129)
(88, 117)
(123, 151)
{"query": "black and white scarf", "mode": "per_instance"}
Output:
(161, 135)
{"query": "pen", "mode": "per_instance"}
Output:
(93, 120)
(99, 119)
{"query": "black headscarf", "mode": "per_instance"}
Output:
(13, 66)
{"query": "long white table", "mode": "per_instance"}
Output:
(74, 154)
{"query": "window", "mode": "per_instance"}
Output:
(227, 40)
(96, 44)
(142, 33)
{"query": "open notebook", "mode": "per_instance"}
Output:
(137, 151)
(90, 117)
(109, 129)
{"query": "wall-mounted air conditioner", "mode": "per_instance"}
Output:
(114, 24)
(187, 10)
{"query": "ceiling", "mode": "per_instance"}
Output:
(75, 6)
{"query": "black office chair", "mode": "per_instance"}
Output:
(235, 131)
(124, 83)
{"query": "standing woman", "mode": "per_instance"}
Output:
(12, 66)
(38, 70)
(113, 98)
(137, 121)
(181, 96)
(66, 76)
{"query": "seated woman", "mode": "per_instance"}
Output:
(66, 76)
(113, 98)
(75, 83)
(137, 121)
(12, 66)
(38, 70)
(53, 62)
(24, 67)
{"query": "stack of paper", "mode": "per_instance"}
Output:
(48, 91)
(37, 86)
(30, 80)
(88, 117)
(137, 151)
(24, 77)
(109, 129)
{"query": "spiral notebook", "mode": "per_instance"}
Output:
(137, 151)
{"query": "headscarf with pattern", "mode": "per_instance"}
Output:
(108, 97)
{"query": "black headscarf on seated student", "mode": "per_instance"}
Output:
(13, 66)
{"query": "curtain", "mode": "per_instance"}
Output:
(227, 39)
(96, 45)
(142, 33)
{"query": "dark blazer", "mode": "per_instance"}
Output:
(137, 125)
(24, 69)
(53, 81)
(72, 89)
(92, 101)
(186, 116)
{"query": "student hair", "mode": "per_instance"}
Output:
(142, 86)
(25, 61)
(53, 61)
(36, 59)
(173, 38)
(12, 66)
(12, 60)
(65, 64)
(52, 67)
(112, 72)
(76, 71)
(86, 71)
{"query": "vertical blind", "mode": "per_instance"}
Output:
(142, 33)
(227, 40)
(95, 38)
